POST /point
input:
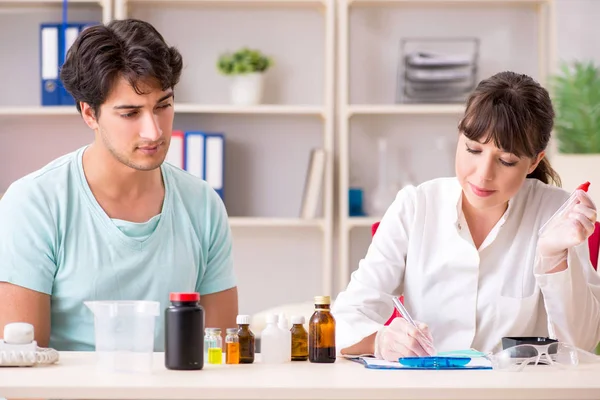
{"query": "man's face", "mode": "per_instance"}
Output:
(136, 129)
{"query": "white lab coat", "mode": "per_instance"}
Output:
(470, 297)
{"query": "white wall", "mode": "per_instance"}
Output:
(267, 156)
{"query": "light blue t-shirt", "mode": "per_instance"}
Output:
(56, 239)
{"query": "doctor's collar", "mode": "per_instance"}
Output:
(459, 219)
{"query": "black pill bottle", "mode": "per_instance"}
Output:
(184, 332)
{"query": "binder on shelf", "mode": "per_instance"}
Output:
(313, 184)
(176, 153)
(49, 56)
(214, 159)
(194, 153)
(55, 41)
(205, 158)
(70, 34)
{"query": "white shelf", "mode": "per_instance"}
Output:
(406, 109)
(122, 5)
(105, 5)
(45, 2)
(447, 2)
(233, 2)
(183, 108)
(274, 222)
(33, 111)
(274, 109)
(361, 222)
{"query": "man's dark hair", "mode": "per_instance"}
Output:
(130, 48)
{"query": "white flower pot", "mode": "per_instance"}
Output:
(247, 89)
(575, 169)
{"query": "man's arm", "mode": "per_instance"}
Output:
(18, 304)
(220, 309)
(27, 266)
(217, 285)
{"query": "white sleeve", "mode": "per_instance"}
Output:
(572, 300)
(366, 304)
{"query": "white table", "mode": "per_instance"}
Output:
(76, 377)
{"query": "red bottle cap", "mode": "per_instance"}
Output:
(184, 297)
(584, 186)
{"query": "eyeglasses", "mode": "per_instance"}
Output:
(558, 354)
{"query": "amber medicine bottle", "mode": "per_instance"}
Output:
(321, 332)
(299, 339)
(246, 338)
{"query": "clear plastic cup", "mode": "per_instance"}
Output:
(124, 332)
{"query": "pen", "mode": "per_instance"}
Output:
(402, 310)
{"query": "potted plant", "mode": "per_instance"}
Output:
(246, 67)
(576, 97)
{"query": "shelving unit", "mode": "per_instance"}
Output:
(214, 113)
(385, 18)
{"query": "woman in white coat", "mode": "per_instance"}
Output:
(465, 251)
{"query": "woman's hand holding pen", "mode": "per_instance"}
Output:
(401, 339)
(569, 230)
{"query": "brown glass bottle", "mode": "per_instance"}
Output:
(246, 338)
(299, 339)
(321, 332)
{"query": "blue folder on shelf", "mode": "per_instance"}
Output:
(55, 41)
(205, 158)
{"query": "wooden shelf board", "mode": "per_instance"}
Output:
(406, 109)
(183, 108)
(262, 222)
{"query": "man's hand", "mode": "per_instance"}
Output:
(18, 304)
(220, 309)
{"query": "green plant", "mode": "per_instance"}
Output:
(243, 61)
(577, 103)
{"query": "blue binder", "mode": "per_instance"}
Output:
(214, 159)
(49, 61)
(205, 158)
(55, 41)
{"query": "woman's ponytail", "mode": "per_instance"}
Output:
(545, 173)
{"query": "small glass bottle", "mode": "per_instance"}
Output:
(299, 339)
(213, 344)
(321, 332)
(232, 346)
(247, 341)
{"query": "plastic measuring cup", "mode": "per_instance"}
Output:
(124, 332)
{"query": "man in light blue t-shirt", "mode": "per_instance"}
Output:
(111, 221)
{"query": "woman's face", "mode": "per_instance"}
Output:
(489, 176)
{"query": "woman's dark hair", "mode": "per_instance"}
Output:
(516, 113)
(130, 48)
